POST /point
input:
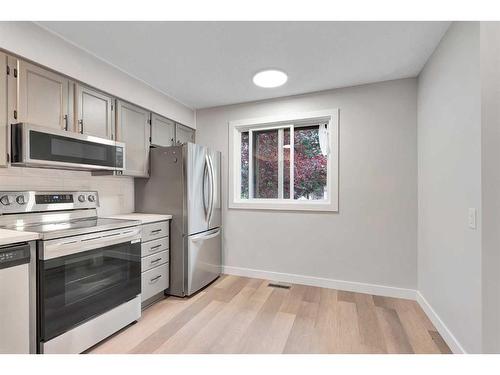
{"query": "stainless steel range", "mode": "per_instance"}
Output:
(88, 268)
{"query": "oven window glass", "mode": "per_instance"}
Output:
(78, 287)
(45, 146)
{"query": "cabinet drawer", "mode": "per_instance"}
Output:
(154, 230)
(154, 260)
(155, 246)
(154, 281)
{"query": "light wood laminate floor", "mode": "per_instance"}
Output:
(244, 315)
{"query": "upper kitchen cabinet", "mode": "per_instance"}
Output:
(162, 131)
(132, 128)
(3, 110)
(42, 96)
(183, 134)
(94, 111)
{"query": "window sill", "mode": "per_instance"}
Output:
(285, 206)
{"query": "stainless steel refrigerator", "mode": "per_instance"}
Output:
(185, 181)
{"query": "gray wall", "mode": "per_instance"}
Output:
(449, 182)
(372, 239)
(490, 175)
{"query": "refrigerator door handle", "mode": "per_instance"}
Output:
(205, 176)
(212, 188)
(205, 236)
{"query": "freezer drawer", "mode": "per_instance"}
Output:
(204, 259)
(154, 260)
(155, 246)
(154, 230)
(154, 281)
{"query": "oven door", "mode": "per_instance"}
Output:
(75, 286)
(41, 147)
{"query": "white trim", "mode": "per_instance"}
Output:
(351, 286)
(443, 330)
(291, 117)
(234, 181)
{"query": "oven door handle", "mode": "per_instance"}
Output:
(59, 248)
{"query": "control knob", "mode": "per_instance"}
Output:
(91, 198)
(81, 198)
(5, 200)
(20, 199)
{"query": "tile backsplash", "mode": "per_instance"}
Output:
(116, 194)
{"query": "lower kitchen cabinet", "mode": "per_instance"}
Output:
(154, 282)
(155, 261)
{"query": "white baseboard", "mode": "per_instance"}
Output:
(443, 330)
(351, 286)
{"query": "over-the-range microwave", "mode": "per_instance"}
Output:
(37, 146)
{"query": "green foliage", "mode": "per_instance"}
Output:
(310, 166)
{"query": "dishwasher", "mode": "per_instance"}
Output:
(18, 298)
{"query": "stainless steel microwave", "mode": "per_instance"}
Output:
(36, 146)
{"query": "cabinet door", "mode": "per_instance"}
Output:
(133, 129)
(162, 131)
(3, 110)
(42, 96)
(95, 112)
(183, 134)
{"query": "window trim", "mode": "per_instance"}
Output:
(330, 116)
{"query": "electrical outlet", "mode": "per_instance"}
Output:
(472, 218)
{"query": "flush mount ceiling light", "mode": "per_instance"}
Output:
(270, 78)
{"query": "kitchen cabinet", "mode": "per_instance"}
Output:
(155, 261)
(183, 134)
(132, 128)
(95, 112)
(3, 110)
(42, 96)
(162, 131)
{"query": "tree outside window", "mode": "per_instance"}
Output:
(270, 175)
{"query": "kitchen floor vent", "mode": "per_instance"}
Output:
(279, 285)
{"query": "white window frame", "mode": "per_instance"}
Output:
(331, 117)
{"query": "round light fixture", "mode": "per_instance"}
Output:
(270, 78)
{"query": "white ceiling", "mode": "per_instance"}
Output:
(205, 64)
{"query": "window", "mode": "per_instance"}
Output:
(285, 162)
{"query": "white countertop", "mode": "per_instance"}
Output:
(8, 237)
(143, 218)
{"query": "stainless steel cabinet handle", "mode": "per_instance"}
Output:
(155, 231)
(154, 279)
(80, 122)
(155, 261)
(66, 122)
(154, 247)
(91, 239)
